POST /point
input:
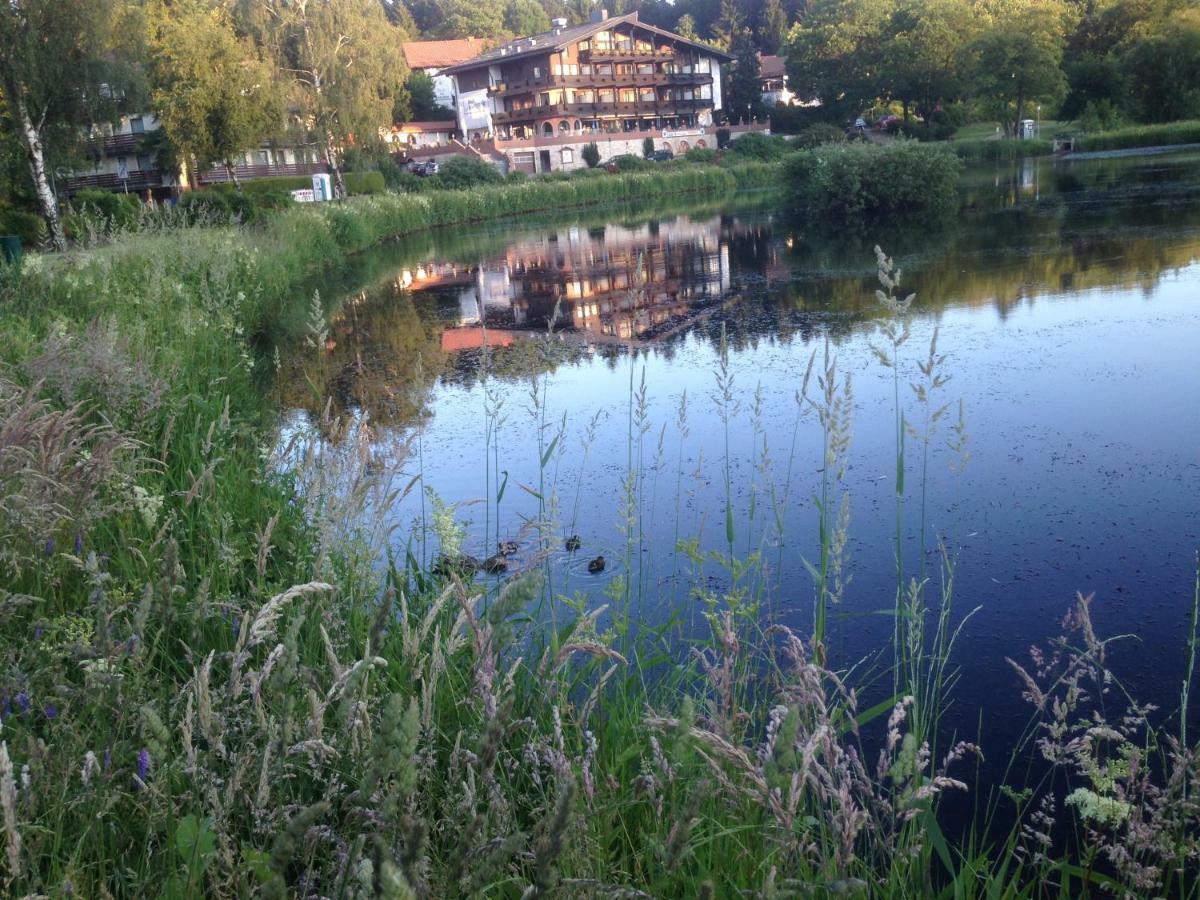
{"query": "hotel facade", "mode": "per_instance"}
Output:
(533, 104)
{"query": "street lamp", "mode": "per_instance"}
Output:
(1039, 122)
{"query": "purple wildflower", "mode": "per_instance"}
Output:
(107, 757)
(49, 546)
(234, 624)
(6, 708)
(51, 711)
(37, 633)
(78, 544)
(23, 701)
(143, 763)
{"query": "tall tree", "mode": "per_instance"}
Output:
(686, 27)
(343, 64)
(772, 27)
(57, 74)
(836, 53)
(213, 94)
(729, 24)
(922, 52)
(525, 17)
(743, 86)
(1016, 63)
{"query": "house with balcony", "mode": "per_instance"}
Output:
(539, 100)
(120, 157)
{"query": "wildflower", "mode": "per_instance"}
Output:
(78, 544)
(143, 764)
(51, 711)
(23, 701)
(90, 765)
(49, 546)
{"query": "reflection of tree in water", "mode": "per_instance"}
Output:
(382, 357)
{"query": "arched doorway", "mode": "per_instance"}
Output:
(548, 129)
(564, 127)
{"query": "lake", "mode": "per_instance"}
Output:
(545, 362)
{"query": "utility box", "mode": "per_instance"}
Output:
(322, 188)
(1028, 129)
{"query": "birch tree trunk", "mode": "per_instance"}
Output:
(37, 168)
(339, 183)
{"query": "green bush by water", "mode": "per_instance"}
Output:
(1141, 136)
(858, 181)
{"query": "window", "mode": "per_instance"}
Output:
(568, 157)
(548, 129)
(137, 125)
(628, 95)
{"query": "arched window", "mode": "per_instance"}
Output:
(700, 143)
(548, 129)
(564, 127)
(683, 147)
(578, 125)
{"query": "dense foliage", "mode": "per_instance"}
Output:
(857, 182)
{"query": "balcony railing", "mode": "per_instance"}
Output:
(116, 145)
(136, 181)
(219, 174)
(627, 79)
(627, 54)
(591, 110)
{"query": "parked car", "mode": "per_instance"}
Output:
(425, 169)
(661, 156)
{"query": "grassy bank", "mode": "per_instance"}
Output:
(211, 685)
(1171, 134)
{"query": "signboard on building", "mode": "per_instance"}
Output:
(474, 110)
(688, 132)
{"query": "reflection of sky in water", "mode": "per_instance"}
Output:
(1068, 312)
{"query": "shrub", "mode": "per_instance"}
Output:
(722, 138)
(25, 225)
(647, 147)
(461, 172)
(701, 155)
(516, 176)
(627, 162)
(364, 182)
(817, 134)
(855, 182)
(97, 210)
(755, 145)
(591, 155)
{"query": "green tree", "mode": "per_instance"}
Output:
(525, 17)
(58, 73)
(836, 53)
(591, 155)
(772, 27)
(743, 86)
(1016, 63)
(422, 102)
(213, 94)
(686, 27)
(729, 24)
(922, 52)
(1164, 71)
(469, 18)
(343, 64)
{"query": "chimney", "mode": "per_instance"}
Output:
(599, 15)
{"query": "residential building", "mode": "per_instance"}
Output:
(433, 57)
(122, 158)
(772, 73)
(536, 102)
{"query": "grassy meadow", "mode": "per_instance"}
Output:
(221, 677)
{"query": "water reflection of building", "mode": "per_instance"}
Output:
(608, 284)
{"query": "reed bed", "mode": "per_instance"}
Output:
(221, 675)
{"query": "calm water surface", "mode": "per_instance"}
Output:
(1066, 298)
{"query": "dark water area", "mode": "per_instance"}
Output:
(1066, 299)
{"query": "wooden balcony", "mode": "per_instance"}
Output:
(218, 174)
(116, 145)
(629, 79)
(137, 181)
(656, 108)
(625, 54)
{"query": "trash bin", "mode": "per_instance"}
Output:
(10, 248)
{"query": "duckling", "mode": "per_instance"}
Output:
(495, 565)
(507, 548)
(463, 565)
(573, 543)
(596, 565)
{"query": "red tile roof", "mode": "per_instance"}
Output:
(771, 66)
(439, 54)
